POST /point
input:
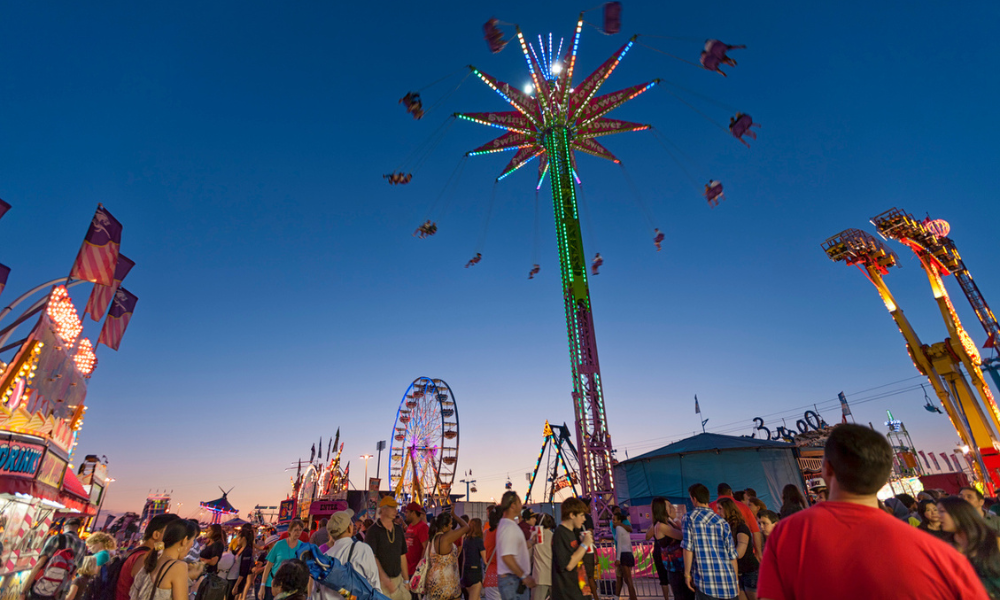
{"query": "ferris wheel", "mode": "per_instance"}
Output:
(424, 451)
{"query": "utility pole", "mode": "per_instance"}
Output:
(467, 482)
(378, 466)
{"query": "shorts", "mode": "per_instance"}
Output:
(748, 581)
(627, 559)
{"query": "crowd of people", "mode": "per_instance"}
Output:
(845, 543)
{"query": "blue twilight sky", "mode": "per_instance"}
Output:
(281, 294)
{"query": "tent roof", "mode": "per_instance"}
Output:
(220, 504)
(710, 442)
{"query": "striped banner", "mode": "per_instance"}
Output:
(101, 295)
(118, 318)
(98, 255)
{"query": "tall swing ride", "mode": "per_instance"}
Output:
(553, 120)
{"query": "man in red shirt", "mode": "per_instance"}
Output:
(847, 547)
(417, 531)
(725, 491)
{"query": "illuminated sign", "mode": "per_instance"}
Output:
(52, 470)
(286, 510)
(63, 314)
(20, 460)
(85, 358)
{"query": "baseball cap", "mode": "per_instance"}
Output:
(415, 507)
(388, 501)
(339, 522)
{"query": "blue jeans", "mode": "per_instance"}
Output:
(508, 585)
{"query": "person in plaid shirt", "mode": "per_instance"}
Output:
(709, 554)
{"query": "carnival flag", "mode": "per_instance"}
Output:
(844, 408)
(118, 318)
(946, 461)
(98, 255)
(4, 207)
(101, 295)
(937, 465)
(4, 272)
(697, 408)
(924, 456)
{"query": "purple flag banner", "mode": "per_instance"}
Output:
(4, 272)
(98, 255)
(4, 207)
(117, 320)
(101, 295)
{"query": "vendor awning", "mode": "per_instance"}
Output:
(72, 486)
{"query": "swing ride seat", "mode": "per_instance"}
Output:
(612, 17)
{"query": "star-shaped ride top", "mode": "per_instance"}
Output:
(553, 101)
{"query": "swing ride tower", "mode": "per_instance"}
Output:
(552, 121)
(938, 362)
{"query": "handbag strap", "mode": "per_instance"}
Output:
(159, 578)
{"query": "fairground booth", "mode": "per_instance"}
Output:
(42, 392)
(708, 458)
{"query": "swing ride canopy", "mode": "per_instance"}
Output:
(709, 458)
(220, 505)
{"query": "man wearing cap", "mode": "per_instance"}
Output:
(67, 539)
(348, 550)
(417, 531)
(388, 543)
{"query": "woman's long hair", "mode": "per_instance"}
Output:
(494, 515)
(475, 528)
(246, 534)
(660, 512)
(174, 533)
(215, 534)
(922, 509)
(731, 513)
(439, 524)
(981, 541)
(790, 494)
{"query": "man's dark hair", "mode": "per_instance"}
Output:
(861, 458)
(699, 492)
(907, 501)
(750, 492)
(724, 488)
(507, 500)
(973, 490)
(572, 506)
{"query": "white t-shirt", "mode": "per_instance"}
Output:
(510, 542)
(623, 542)
(543, 559)
(363, 561)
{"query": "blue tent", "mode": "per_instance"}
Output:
(710, 459)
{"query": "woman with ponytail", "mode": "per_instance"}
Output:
(164, 575)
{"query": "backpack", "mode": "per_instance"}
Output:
(212, 587)
(58, 571)
(104, 585)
